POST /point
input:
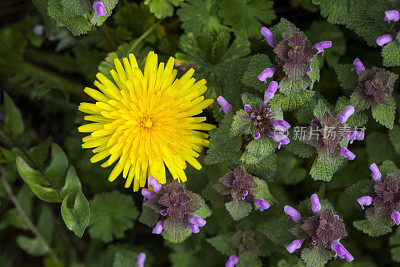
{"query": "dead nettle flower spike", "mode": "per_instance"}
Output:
(315, 205)
(158, 228)
(141, 258)
(267, 73)
(296, 244)
(269, 37)
(262, 204)
(358, 66)
(396, 217)
(364, 201)
(341, 251)
(347, 112)
(232, 261)
(321, 46)
(392, 15)
(225, 106)
(98, 6)
(375, 173)
(293, 213)
(384, 39)
(345, 153)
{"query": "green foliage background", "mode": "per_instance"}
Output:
(76, 217)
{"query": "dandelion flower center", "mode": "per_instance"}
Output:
(145, 121)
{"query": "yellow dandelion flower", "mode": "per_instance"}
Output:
(144, 121)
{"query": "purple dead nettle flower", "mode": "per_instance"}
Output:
(270, 92)
(176, 206)
(386, 195)
(345, 153)
(392, 15)
(267, 73)
(141, 259)
(262, 204)
(232, 261)
(321, 46)
(225, 106)
(98, 6)
(154, 184)
(147, 194)
(269, 37)
(358, 66)
(355, 135)
(324, 230)
(347, 112)
(384, 39)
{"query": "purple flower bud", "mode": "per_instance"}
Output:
(158, 228)
(354, 135)
(269, 37)
(140, 259)
(341, 251)
(314, 240)
(262, 204)
(296, 244)
(164, 212)
(293, 213)
(375, 173)
(38, 29)
(257, 135)
(232, 261)
(281, 125)
(281, 139)
(315, 205)
(322, 45)
(247, 108)
(245, 193)
(194, 228)
(267, 73)
(396, 217)
(345, 153)
(270, 92)
(347, 112)
(147, 194)
(358, 66)
(98, 6)
(224, 105)
(364, 201)
(392, 15)
(309, 70)
(196, 220)
(154, 184)
(314, 122)
(384, 39)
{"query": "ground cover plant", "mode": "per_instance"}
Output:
(199, 132)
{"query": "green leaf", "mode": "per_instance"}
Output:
(379, 148)
(125, 258)
(13, 119)
(323, 168)
(75, 7)
(264, 192)
(289, 103)
(199, 16)
(288, 171)
(277, 230)
(388, 167)
(372, 227)
(111, 215)
(315, 256)
(300, 148)
(148, 216)
(72, 183)
(223, 147)
(334, 10)
(37, 182)
(246, 17)
(357, 119)
(238, 209)
(290, 88)
(58, 165)
(50, 24)
(248, 258)
(162, 8)
(77, 217)
(264, 168)
(395, 254)
(241, 123)
(385, 115)
(391, 54)
(258, 149)
(257, 65)
(394, 136)
(320, 109)
(251, 99)
(348, 79)
(222, 245)
(174, 231)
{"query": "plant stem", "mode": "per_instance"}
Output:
(144, 35)
(26, 218)
(106, 34)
